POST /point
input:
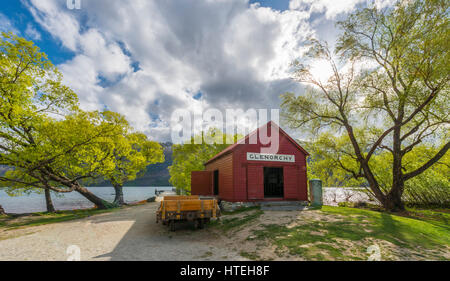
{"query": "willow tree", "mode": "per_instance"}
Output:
(20, 186)
(64, 153)
(389, 92)
(131, 155)
(332, 160)
(44, 137)
(192, 155)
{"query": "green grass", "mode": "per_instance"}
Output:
(440, 217)
(227, 224)
(16, 221)
(426, 232)
(251, 256)
(323, 240)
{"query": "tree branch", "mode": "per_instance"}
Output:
(430, 162)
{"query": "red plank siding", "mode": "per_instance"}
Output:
(255, 186)
(225, 167)
(243, 180)
(201, 183)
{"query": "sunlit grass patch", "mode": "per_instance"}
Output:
(228, 223)
(348, 237)
(41, 218)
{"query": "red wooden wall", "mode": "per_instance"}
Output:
(201, 183)
(242, 180)
(225, 166)
(249, 178)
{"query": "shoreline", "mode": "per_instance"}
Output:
(35, 203)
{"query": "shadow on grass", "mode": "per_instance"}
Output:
(313, 238)
(13, 221)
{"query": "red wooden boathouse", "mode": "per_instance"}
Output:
(241, 173)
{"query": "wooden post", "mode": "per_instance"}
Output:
(163, 210)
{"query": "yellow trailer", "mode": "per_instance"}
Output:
(187, 208)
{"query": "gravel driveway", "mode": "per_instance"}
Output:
(128, 234)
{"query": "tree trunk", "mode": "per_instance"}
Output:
(48, 201)
(2, 211)
(118, 200)
(98, 202)
(393, 201)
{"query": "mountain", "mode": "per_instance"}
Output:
(155, 175)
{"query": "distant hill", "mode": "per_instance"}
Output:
(156, 174)
(3, 169)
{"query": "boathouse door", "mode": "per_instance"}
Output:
(273, 182)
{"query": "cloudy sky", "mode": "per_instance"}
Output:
(147, 58)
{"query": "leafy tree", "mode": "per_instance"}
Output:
(392, 84)
(191, 156)
(46, 139)
(30, 89)
(132, 153)
(18, 187)
(64, 152)
(331, 160)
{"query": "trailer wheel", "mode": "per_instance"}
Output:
(196, 224)
(201, 223)
(172, 225)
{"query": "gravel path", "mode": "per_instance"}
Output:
(128, 234)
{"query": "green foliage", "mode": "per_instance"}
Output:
(388, 92)
(49, 142)
(32, 97)
(132, 153)
(332, 162)
(191, 156)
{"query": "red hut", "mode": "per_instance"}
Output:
(241, 173)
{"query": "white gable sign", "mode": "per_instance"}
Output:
(251, 156)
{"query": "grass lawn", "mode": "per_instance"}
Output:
(249, 214)
(341, 233)
(8, 222)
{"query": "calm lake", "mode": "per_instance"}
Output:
(36, 202)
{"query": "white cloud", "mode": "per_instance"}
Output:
(32, 32)
(145, 59)
(331, 8)
(6, 25)
(50, 15)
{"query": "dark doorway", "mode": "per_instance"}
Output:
(216, 182)
(273, 182)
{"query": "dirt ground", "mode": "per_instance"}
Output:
(128, 234)
(133, 234)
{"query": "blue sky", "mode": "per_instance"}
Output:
(147, 59)
(21, 18)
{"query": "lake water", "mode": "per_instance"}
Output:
(332, 196)
(36, 202)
